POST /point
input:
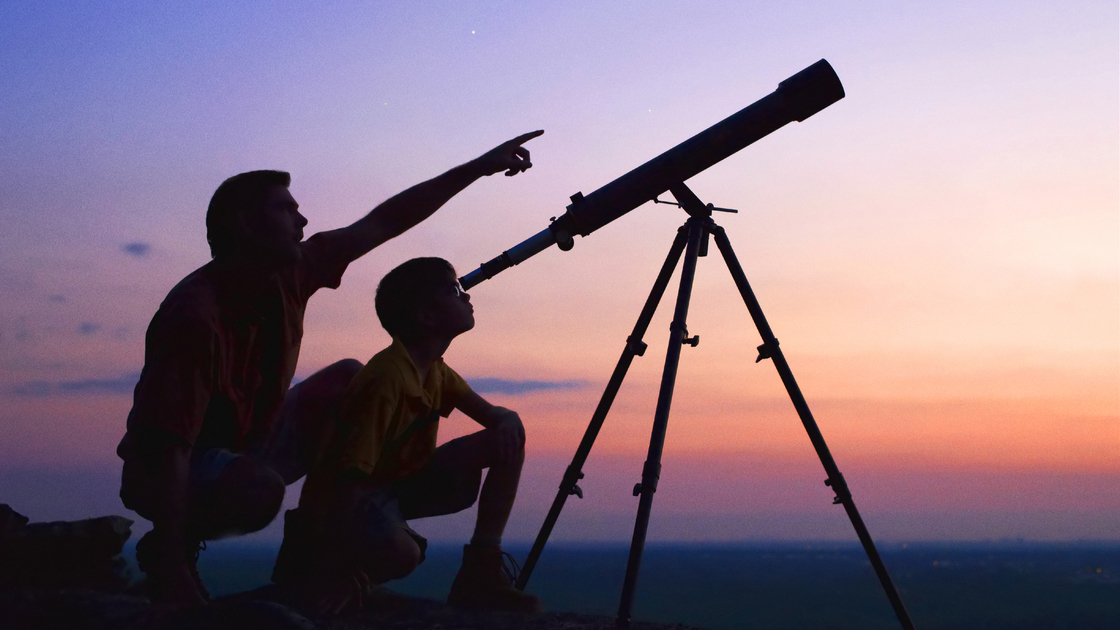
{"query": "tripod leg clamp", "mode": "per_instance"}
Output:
(568, 484)
(636, 347)
(651, 472)
(767, 350)
(840, 487)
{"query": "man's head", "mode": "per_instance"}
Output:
(422, 298)
(254, 214)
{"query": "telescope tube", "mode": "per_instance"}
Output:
(796, 99)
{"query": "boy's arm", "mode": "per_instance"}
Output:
(507, 424)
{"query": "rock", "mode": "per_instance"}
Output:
(63, 554)
(68, 609)
(10, 521)
(69, 575)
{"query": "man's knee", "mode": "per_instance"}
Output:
(307, 425)
(331, 380)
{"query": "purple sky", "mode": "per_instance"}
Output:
(939, 252)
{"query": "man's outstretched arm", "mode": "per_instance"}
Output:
(404, 210)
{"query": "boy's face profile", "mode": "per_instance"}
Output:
(449, 313)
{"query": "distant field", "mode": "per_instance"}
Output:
(789, 586)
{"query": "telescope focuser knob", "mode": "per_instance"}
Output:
(564, 239)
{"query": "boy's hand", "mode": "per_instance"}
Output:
(506, 425)
(508, 156)
(511, 435)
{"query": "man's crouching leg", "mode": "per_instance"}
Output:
(226, 494)
(243, 498)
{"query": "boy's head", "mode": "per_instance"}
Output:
(422, 298)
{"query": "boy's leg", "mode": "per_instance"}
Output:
(450, 484)
(495, 501)
(361, 541)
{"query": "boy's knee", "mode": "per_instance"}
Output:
(398, 556)
(270, 499)
(256, 489)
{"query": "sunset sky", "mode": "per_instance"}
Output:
(938, 252)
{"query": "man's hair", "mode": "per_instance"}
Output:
(236, 195)
(407, 289)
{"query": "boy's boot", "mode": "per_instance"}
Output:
(485, 582)
(294, 560)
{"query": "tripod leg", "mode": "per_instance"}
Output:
(769, 349)
(634, 347)
(651, 471)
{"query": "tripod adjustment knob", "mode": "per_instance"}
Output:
(691, 341)
(637, 489)
(576, 490)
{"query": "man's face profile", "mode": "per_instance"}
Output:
(275, 229)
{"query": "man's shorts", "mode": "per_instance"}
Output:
(279, 450)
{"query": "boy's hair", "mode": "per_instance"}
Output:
(407, 289)
(233, 197)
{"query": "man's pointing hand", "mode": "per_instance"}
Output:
(508, 156)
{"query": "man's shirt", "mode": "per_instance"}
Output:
(217, 364)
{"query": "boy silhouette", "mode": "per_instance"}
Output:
(383, 469)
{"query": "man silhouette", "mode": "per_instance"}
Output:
(215, 434)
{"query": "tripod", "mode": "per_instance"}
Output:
(692, 240)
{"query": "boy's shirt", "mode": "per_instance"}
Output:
(382, 401)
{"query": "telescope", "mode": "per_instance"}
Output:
(796, 98)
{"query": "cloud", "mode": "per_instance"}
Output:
(488, 385)
(88, 328)
(43, 389)
(124, 385)
(136, 248)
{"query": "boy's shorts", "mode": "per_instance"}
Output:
(448, 484)
(445, 486)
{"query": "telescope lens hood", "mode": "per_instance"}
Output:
(811, 90)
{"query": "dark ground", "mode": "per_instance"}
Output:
(90, 610)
